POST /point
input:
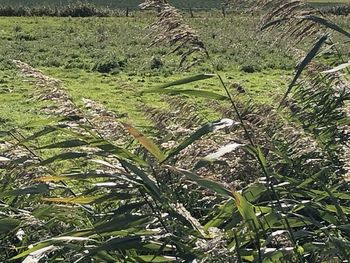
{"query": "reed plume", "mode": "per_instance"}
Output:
(153, 4)
(170, 28)
(293, 17)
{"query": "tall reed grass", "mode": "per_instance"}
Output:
(132, 200)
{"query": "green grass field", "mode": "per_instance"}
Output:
(96, 59)
(71, 49)
(75, 49)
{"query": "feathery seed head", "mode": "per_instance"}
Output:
(152, 4)
(170, 28)
(291, 16)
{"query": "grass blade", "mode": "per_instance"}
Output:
(309, 57)
(149, 184)
(208, 184)
(109, 148)
(31, 250)
(73, 200)
(145, 142)
(187, 80)
(65, 144)
(8, 224)
(120, 244)
(63, 157)
(246, 210)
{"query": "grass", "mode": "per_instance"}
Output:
(122, 93)
(16, 106)
(84, 43)
(70, 48)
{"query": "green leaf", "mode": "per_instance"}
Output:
(342, 211)
(145, 142)
(4, 133)
(246, 210)
(59, 241)
(55, 128)
(187, 80)
(73, 177)
(309, 57)
(225, 212)
(31, 250)
(36, 256)
(313, 178)
(128, 223)
(277, 255)
(208, 184)
(103, 256)
(254, 191)
(65, 144)
(338, 209)
(43, 211)
(123, 222)
(129, 207)
(343, 122)
(64, 157)
(148, 183)
(154, 259)
(121, 153)
(120, 244)
(81, 176)
(43, 132)
(8, 224)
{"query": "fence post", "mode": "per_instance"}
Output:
(191, 12)
(224, 11)
(127, 12)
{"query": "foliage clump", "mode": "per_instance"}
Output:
(71, 10)
(110, 65)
